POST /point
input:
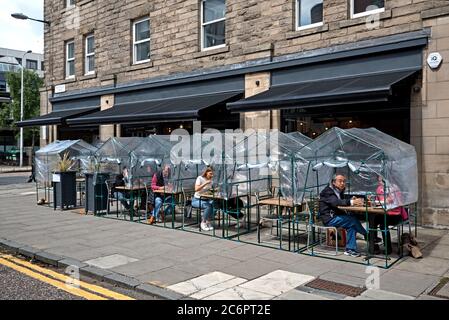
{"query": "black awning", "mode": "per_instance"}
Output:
(170, 109)
(56, 117)
(327, 92)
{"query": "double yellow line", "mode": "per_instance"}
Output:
(85, 290)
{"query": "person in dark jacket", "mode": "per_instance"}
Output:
(330, 198)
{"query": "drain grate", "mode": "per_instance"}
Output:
(335, 287)
(441, 290)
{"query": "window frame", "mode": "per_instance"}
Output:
(203, 24)
(68, 3)
(87, 55)
(27, 66)
(135, 22)
(67, 59)
(365, 13)
(308, 26)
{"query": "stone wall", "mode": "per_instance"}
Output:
(435, 123)
(255, 29)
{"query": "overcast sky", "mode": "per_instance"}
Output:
(22, 34)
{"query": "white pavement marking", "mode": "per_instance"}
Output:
(277, 282)
(200, 283)
(111, 261)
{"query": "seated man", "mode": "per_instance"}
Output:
(158, 183)
(120, 181)
(330, 198)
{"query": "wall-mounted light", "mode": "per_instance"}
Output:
(257, 83)
(301, 124)
(350, 121)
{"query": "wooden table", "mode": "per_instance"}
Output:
(278, 202)
(362, 209)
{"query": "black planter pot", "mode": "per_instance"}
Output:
(96, 192)
(64, 189)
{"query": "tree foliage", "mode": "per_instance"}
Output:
(31, 97)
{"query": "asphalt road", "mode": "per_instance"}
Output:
(17, 286)
(14, 178)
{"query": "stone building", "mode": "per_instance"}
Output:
(137, 67)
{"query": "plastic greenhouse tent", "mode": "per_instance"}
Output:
(116, 154)
(372, 161)
(47, 158)
(149, 156)
(302, 139)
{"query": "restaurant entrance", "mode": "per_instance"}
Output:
(391, 117)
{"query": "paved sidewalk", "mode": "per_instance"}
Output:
(175, 264)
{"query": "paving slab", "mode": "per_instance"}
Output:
(109, 262)
(144, 266)
(407, 283)
(165, 277)
(277, 282)
(378, 294)
(200, 283)
(427, 265)
(252, 268)
(300, 295)
(437, 250)
(202, 294)
(426, 297)
(239, 293)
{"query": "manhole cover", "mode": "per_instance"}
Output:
(441, 290)
(335, 287)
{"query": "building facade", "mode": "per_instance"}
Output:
(122, 68)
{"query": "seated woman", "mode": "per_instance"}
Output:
(393, 216)
(203, 185)
(158, 183)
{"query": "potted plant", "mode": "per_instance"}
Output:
(64, 183)
(96, 189)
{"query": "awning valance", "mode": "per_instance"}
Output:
(169, 109)
(56, 117)
(336, 91)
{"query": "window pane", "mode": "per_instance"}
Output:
(71, 68)
(214, 34)
(142, 51)
(310, 12)
(31, 64)
(70, 50)
(362, 5)
(213, 10)
(142, 30)
(90, 63)
(90, 45)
